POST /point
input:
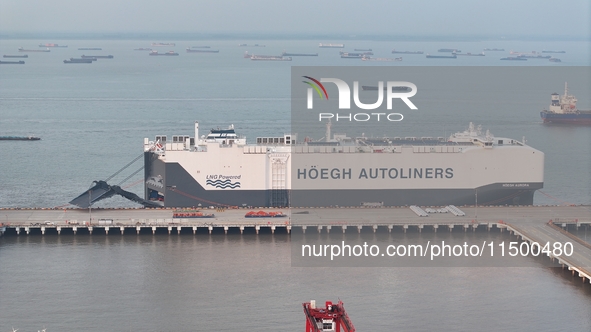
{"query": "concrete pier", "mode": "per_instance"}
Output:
(539, 224)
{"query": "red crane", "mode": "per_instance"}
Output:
(331, 318)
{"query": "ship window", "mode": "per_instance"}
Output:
(264, 140)
(276, 140)
(500, 142)
(259, 140)
(281, 140)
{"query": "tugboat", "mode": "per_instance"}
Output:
(563, 109)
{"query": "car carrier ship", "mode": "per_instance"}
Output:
(221, 169)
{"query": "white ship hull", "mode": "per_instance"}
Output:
(429, 172)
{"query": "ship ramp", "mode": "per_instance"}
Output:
(101, 190)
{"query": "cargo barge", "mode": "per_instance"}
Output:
(563, 110)
(19, 138)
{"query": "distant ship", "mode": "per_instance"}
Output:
(553, 51)
(363, 49)
(74, 60)
(449, 50)
(19, 138)
(90, 49)
(406, 52)
(16, 56)
(20, 49)
(347, 55)
(169, 53)
(441, 56)
(368, 58)
(538, 56)
(554, 60)
(142, 49)
(200, 47)
(494, 50)
(266, 57)
(470, 54)
(514, 58)
(299, 54)
(321, 45)
(12, 62)
(163, 44)
(201, 51)
(356, 53)
(270, 58)
(97, 57)
(52, 45)
(563, 109)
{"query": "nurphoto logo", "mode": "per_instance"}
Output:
(394, 90)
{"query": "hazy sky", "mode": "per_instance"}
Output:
(394, 17)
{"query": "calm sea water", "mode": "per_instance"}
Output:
(93, 118)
